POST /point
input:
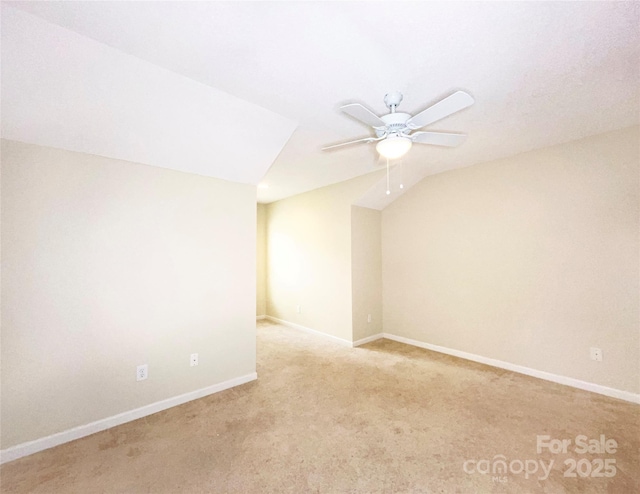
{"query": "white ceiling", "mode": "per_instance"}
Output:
(541, 72)
(64, 90)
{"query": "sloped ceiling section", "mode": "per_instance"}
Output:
(64, 90)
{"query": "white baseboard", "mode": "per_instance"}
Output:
(368, 339)
(31, 447)
(547, 376)
(260, 318)
(315, 332)
(299, 327)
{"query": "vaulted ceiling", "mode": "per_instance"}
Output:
(218, 88)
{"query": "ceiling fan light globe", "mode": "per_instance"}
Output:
(393, 147)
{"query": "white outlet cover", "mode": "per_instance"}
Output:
(193, 360)
(142, 372)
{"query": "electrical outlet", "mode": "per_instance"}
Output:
(193, 360)
(368, 317)
(142, 372)
(596, 354)
(298, 309)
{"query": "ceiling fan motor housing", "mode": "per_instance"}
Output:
(394, 123)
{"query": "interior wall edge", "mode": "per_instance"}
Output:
(368, 339)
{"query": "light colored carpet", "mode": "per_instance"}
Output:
(384, 417)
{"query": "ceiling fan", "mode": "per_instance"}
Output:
(395, 131)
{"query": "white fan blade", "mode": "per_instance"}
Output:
(438, 138)
(451, 104)
(366, 139)
(362, 113)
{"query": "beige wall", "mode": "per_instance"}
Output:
(309, 257)
(261, 261)
(106, 265)
(530, 260)
(366, 272)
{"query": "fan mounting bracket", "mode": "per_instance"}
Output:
(392, 100)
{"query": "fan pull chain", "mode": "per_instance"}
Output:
(401, 175)
(388, 190)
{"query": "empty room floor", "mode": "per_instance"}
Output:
(384, 417)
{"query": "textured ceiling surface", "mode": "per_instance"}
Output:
(541, 72)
